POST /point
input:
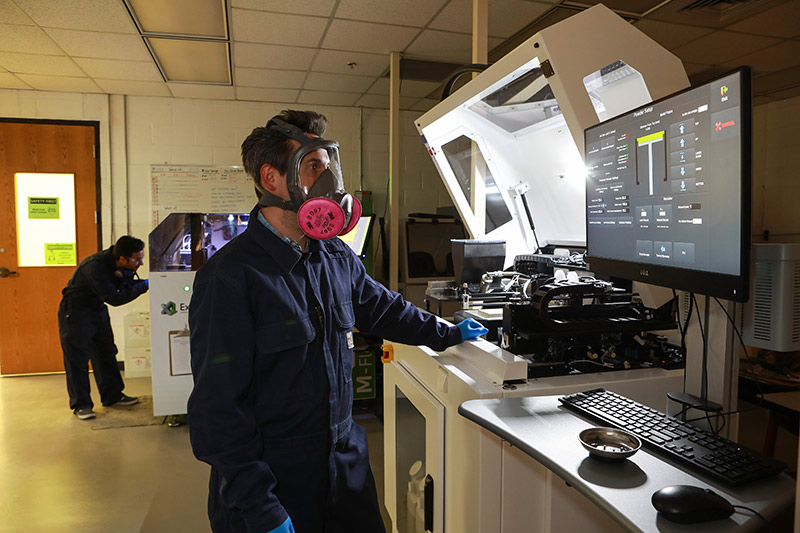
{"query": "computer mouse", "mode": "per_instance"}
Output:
(688, 504)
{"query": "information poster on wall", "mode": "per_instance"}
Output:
(43, 208)
(59, 253)
(198, 189)
(45, 214)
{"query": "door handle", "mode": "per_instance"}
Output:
(4, 272)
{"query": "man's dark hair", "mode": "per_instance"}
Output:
(126, 246)
(264, 145)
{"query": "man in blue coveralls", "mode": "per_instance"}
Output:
(271, 320)
(107, 277)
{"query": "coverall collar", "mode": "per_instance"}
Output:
(281, 252)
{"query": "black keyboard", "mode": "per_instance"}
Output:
(702, 452)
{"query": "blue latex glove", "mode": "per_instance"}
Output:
(471, 329)
(286, 527)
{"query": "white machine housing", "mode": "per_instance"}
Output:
(517, 128)
(179, 246)
(514, 131)
(772, 314)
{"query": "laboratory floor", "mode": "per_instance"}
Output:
(58, 475)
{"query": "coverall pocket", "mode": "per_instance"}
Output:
(283, 364)
(345, 319)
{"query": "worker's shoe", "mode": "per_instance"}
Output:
(126, 400)
(84, 413)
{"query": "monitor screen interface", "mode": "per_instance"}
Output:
(668, 190)
(358, 237)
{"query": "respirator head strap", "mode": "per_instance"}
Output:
(268, 199)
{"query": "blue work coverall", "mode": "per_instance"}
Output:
(272, 356)
(85, 328)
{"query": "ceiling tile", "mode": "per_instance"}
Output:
(778, 57)
(406, 102)
(97, 15)
(374, 100)
(776, 81)
(11, 14)
(192, 90)
(780, 21)
(442, 46)
(98, 44)
(787, 93)
(417, 88)
(381, 86)
(276, 28)
(321, 81)
(670, 35)
(425, 104)
(60, 83)
(367, 37)
(266, 95)
(761, 100)
(26, 39)
(336, 61)
(321, 8)
(629, 6)
(694, 68)
(114, 69)
(408, 12)
(721, 46)
(36, 64)
(9, 81)
(276, 79)
(138, 88)
(506, 17)
(707, 74)
(327, 98)
(382, 102)
(272, 56)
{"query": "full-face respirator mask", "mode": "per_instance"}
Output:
(316, 188)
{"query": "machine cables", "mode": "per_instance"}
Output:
(744, 347)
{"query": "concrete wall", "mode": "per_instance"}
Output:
(136, 132)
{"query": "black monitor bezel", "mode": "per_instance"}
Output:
(367, 237)
(726, 286)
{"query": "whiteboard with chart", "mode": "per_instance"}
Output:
(199, 189)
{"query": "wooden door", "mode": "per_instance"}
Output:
(29, 298)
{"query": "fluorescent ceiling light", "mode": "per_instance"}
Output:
(192, 61)
(200, 18)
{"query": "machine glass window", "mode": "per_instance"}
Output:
(476, 181)
(616, 88)
(525, 100)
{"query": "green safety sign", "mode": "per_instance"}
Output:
(43, 208)
(59, 253)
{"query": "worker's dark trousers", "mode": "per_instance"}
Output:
(86, 336)
(323, 490)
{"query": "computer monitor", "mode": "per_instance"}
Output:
(358, 237)
(668, 190)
